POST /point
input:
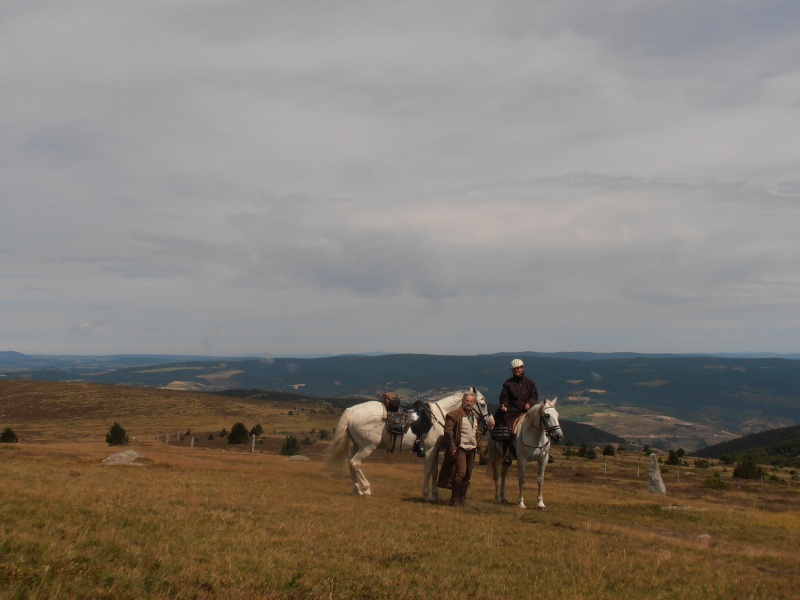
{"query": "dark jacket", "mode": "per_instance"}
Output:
(516, 392)
(452, 440)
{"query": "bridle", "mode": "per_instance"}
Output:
(549, 429)
(544, 419)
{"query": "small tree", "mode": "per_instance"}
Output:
(748, 469)
(238, 434)
(307, 441)
(583, 450)
(291, 446)
(223, 432)
(116, 436)
(257, 430)
(8, 436)
(673, 458)
(609, 450)
(701, 463)
(591, 454)
(620, 448)
(324, 434)
(646, 449)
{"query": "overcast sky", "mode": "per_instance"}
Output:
(269, 178)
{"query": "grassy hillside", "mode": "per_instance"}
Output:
(779, 447)
(203, 523)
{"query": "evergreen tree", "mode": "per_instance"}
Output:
(117, 436)
(8, 436)
(291, 446)
(238, 434)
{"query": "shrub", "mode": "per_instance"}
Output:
(591, 454)
(748, 469)
(291, 446)
(716, 482)
(8, 436)
(307, 441)
(257, 430)
(116, 436)
(646, 449)
(211, 436)
(238, 434)
(620, 448)
(223, 432)
(324, 434)
(701, 463)
(674, 458)
(609, 450)
(583, 450)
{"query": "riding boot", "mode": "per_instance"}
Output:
(456, 495)
(507, 458)
(462, 498)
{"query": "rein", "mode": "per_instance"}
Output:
(548, 431)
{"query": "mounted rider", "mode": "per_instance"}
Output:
(517, 396)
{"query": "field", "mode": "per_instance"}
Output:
(222, 522)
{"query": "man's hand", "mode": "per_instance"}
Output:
(503, 408)
(453, 452)
(527, 406)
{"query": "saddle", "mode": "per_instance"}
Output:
(400, 418)
(501, 431)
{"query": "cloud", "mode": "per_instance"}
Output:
(87, 327)
(316, 178)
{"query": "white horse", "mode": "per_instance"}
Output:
(362, 429)
(534, 430)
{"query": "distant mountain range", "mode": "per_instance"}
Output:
(736, 393)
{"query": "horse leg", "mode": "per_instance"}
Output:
(503, 475)
(521, 460)
(434, 458)
(540, 479)
(493, 463)
(361, 484)
(430, 490)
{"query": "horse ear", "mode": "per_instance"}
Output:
(554, 400)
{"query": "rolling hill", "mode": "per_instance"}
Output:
(730, 395)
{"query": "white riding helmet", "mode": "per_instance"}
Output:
(516, 363)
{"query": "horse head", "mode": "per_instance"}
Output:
(482, 408)
(548, 417)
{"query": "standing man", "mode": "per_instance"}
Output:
(518, 395)
(460, 442)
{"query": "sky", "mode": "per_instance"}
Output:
(266, 178)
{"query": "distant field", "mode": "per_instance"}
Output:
(219, 521)
(50, 412)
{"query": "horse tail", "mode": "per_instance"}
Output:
(337, 451)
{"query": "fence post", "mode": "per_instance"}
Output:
(253, 446)
(166, 438)
(637, 472)
(192, 444)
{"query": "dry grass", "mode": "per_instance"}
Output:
(207, 523)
